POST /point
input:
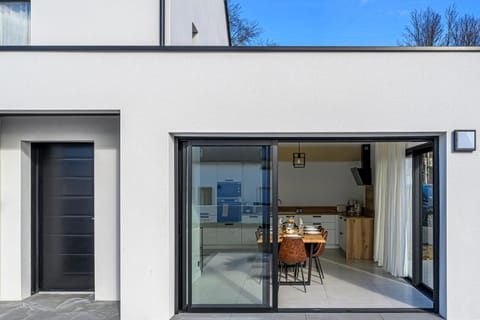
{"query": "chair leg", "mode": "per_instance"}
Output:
(321, 269)
(317, 260)
(318, 268)
(303, 280)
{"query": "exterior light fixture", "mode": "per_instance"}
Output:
(299, 158)
(464, 140)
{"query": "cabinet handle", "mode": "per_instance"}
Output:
(341, 233)
(228, 224)
(317, 223)
(317, 216)
(253, 216)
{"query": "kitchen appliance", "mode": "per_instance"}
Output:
(363, 175)
(229, 201)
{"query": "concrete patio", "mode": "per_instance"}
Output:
(60, 307)
(308, 316)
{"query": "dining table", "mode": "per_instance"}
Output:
(311, 240)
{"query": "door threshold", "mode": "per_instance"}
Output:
(66, 292)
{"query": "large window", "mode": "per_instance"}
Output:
(410, 23)
(14, 23)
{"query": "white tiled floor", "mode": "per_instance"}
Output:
(234, 278)
(353, 284)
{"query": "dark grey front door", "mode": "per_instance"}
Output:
(65, 216)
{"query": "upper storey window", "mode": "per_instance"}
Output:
(14, 23)
(354, 22)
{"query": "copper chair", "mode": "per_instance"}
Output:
(318, 251)
(292, 253)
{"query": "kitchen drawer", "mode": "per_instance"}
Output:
(324, 218)
(252, 219)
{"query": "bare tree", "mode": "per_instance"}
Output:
(452, 16)
(463, 31)
(425, 29)
(242, 31)
(467, 31)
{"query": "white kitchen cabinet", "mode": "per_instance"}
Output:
(248, 235)
(229, 234)
(209, 234)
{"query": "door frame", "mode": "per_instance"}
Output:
(417, 254)
(180, 140)
(35, 203)
(183, 295)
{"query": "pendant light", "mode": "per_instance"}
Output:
(299, 158)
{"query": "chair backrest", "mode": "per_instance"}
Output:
(292, 251)
(321, 248)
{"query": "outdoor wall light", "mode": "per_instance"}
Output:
(464, 140)
(299, 158)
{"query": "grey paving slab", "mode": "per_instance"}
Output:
(60, 307)
(410, 316)
(202, 316)
(269, 316)
(346, 316)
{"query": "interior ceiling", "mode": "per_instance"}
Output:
(321, 151)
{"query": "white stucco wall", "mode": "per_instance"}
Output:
(161, 94)
(16, 134)
(207, 15)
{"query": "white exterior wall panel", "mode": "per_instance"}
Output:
(160, 94)
(16, 135)
(90, 22)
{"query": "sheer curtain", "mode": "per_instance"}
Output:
(14, 23)
(391, 208)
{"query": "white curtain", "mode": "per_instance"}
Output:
(391, 208)
(14, 23)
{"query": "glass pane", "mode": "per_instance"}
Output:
(231, 199)
(326, 23)
(426, 176)
(14, 23)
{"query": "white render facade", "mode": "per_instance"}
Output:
(147, 99)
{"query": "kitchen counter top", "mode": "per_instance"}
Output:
(305, 210)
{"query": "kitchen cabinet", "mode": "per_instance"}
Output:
(356, 237)
(229, 234)
(341, 232)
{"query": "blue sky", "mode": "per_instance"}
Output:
(340, 22)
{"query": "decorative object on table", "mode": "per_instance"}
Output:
(289, 226)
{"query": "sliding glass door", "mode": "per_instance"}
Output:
(424, 217)
(228, 206)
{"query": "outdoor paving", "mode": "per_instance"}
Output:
(308, 316)
(60, 307)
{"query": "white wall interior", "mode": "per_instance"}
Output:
(16, 135)
(266, 93)
(318, 184)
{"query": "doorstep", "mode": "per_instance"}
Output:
(307, 316)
